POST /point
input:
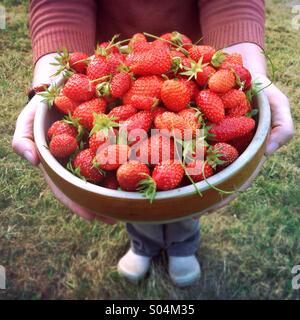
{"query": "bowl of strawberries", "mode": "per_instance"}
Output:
(152, 132)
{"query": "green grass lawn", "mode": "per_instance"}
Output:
(247, 251)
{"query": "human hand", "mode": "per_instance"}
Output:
(23, 140)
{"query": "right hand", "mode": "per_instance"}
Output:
(23, 140)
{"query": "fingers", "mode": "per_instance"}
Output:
(73, 206)
(282, 124)
(22, 142)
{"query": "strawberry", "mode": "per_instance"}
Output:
(242, 143)
(175, 95)
(120, 84)
(130, 173)
(240, 110)
(122, 113)
(102, 137)
(157, 111)
(60, 127)
(155, 149)
(85, 111)
(233, 98)
(143, 102)
(203, 76)
(192, 86)
(77, 61)
(204, 52)
(62, 145)
(98, 68)
(211, 105)
(148, 86)
(233, 58)
(243, 76)
(231, 128)
(64, 104)
(192, 116)
(142, 121)
(198, 170)
(177, 54)
(105, 48)
(136, 40)
(79, 88)
(167, 175)
(114, 61)
(154, 61)
(84, 166)
(111, 157)
(195, 149)
(178, 39)
(110, 181)
(174, 124)
(222, 81)
(222, 153)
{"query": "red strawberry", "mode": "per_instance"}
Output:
(233, 98)
(177, 54)
(192, 86)
(192, 117)
(129, 174)
(225, 152)
(62, 145)
(222, 81)
(111, 157)
(84, 164)
(64, 104)
(175, 95)
(60, 127)
(143, 102)
(155, 149)
(122, 113)
(149, 86)
(203, 76)
(102, 137)
(114, 60)
(98, 68)
(110, 181)
(231, 128)
(211, 105)
(242, 74)
(120, 84)
(77, 61)
(204, 52)
(105, 48)
(178, 39)
(172, 123)
(233, 58)
(157, 110)
(136, 40)
(79, 88)
(142, 121)
(195, 170)
(242, 143)
(155, 61)
(167, 175)
(240, 110)
(85, 111)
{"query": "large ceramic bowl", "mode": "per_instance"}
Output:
(168, 206)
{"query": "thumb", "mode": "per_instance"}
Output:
(22, 142)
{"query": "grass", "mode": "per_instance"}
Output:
(247, 251)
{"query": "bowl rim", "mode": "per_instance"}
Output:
(264, 121)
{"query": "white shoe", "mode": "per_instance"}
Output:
(133, 266)
(184, 271)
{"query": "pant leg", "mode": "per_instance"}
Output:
(146, 239)
(182, 238)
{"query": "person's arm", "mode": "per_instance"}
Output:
(239, 27)
(282, 124)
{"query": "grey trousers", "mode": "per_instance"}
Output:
(178, 238)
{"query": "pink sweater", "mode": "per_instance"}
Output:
(79, 24)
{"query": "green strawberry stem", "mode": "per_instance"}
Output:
(103, 123)
(147, 187)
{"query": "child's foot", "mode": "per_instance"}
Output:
(184, 271)
(133, 266)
